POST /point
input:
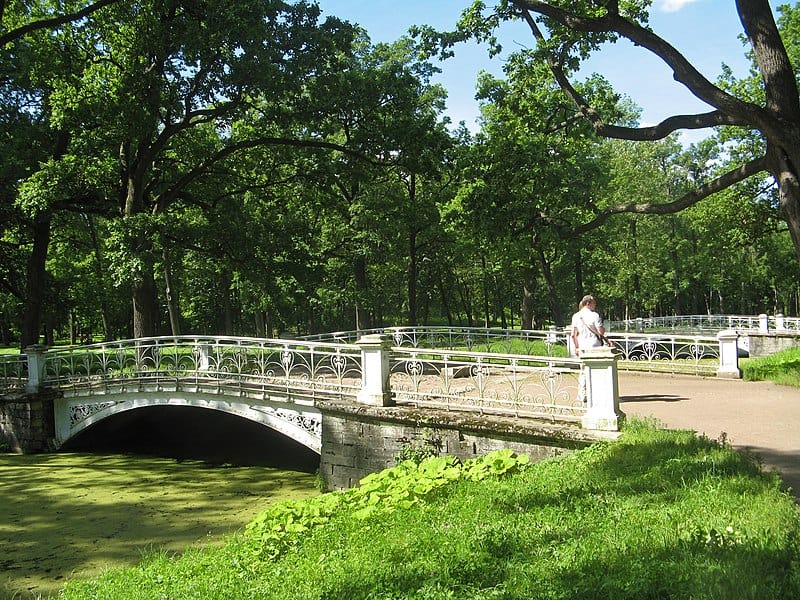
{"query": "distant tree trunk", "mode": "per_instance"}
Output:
(445, 300)
(413, 274)
(227, 304)
(144, 304)
(529, 278)
(361, 313)
(578, 275)
(487, 317)
(552, 295)
(171, 293)
(36, 282)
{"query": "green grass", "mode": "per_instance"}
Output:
(782, 367)
(656, 514)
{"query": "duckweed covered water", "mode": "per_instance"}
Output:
(72, 515)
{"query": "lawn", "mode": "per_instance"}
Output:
(656, 514)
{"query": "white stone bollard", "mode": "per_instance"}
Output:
(35, 356)
(763, 323)
(375, 388)
(602, 390)
(780, 323)
(728, 354)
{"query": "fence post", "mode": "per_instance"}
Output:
(602, 390)
(763, 323)
(203, 362)
(35, 356)
(728, 354)
(375, 370)
(780, 323)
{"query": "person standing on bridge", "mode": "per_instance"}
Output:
(587, 332)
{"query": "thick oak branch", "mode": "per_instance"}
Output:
(720, 183)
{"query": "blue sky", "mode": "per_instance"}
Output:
(705, 31)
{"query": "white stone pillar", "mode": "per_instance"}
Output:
(780, 323)
(763, 323)
(375, 370)
(35, 355)
(602, 390)
(639, 324)
(728, 354)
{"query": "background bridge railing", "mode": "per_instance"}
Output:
(700, 323)
(693, 354)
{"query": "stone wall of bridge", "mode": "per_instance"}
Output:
(27, 422)
(359, 440)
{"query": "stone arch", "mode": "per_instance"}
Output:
(302, 423)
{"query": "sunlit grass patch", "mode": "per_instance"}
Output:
(655, 514)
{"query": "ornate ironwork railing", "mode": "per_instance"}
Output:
(551, 342)
(516, 385)
(675, 353)
(239, 366)
(672, 353)
(687, 323)
(13, 372)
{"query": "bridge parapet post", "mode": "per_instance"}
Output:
(375, 388)
(203, 353)
(602, 390)
(763, 323)
(35, 356)
(728, 354)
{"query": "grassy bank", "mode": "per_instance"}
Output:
(657, 514)
(782, 367)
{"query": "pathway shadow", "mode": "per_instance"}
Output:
(787, 464)
(653, 398)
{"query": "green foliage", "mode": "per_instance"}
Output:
(782, 367)
(284, 525)
(656, 514)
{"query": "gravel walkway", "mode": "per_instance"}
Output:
(759, 416)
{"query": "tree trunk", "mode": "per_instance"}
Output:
(144, 304)
(413, 274)
(528, 294)
(485, 291)
(552, 294)
(171, 295)
(360, 273)
(35, 287)
(227, 304)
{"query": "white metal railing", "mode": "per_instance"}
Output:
(696, 354)
(245, 366)
(385, 368)
(664, 352)
(13, 373)
(516, 385)
(687, 323)
(551, 342)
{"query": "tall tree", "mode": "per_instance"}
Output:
(568, 32)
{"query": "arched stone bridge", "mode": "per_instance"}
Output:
(349, 402)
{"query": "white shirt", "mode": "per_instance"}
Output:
(581, 321)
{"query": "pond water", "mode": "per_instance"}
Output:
(103, 504)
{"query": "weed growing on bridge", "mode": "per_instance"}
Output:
(657, 514)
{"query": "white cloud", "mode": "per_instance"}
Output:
(673, 5)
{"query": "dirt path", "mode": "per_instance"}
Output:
(760, 416)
